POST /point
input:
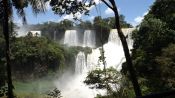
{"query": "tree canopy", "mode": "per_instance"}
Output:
(153, 44)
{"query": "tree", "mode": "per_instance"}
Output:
(164, 10)
(55, 93)
(7, 52)
(116, 85)
(167, 66)
(85, 25)
(153, 35)
(2, 65)
(34, 57)
(133, 78)
(102, 29)
(38, 6)
(123, 23)
(72, 7)
(108, 79)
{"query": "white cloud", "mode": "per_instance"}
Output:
(47, 4)
(145, 13)
(70, 17)
(108, 11)
(139, 19)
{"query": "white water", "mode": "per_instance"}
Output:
(113, 50)
(89, 38)
(72, 86)
(71, 38)
(80, 65)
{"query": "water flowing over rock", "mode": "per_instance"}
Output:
(80, 65)
(89, 38)
(71, 85)
(71, 38)
(113, 37)
(128, 34)
(113, 50)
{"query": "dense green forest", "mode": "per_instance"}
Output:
(151, 53)
(153, 48)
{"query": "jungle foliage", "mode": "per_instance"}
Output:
(153, 48)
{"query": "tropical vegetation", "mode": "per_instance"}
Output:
(148, 69)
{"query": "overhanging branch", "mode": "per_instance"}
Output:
(107, 4)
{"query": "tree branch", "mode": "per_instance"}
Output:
(126, 51)
(107, 4)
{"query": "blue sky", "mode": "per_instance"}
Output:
(133, 10)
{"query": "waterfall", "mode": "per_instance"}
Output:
(113, 50)
(89, 38)
(71, 85)
(80, 65)
(128, 33)
(113, 37)
(92, 59)
(71, 38)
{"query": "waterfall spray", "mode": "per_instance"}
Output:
(72, 86)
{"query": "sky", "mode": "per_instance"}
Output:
(133, 10)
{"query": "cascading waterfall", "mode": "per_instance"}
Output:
(89, 38)
(113, 37)
(80, 65)
(71, 38)
(72, 86)
(113, 49)
(128, 33)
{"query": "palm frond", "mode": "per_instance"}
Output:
(38, 6)
(20, 5)
(21, 14)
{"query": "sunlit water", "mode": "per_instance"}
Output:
(89, 38)
(71, 38)
(72, 86)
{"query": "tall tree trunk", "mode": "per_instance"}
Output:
(126, 51)
(7, 48)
